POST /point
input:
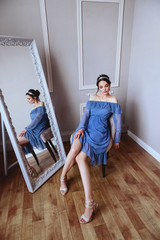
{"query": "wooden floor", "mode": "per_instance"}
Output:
(128, 198)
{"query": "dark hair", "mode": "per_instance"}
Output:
(103, 77)
(33, 93)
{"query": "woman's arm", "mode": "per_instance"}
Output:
(22, 133)
(118, 124)
(82, 125)
(35, 122)
(117, 117)
(79, 134)
(116, 145)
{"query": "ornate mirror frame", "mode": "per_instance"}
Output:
(32, 185)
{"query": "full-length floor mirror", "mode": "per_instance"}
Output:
(21, 70)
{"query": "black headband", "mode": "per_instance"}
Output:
(30, 93)
(104, 78)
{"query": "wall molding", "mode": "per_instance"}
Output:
(82, 86)
(82, 109)
(145, 146)
(44, 21)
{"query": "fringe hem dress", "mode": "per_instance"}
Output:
(39, 123)
(94, 123)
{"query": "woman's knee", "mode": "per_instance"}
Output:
(80, 159)
(76, 147)
(74, 151)
(22, 140)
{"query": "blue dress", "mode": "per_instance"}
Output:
(96, 136)
(39, 123)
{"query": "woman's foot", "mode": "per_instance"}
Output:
(91, 207)
(63, 187)
(33, 172)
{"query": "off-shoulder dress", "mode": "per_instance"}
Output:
(39, 123)
(94, 123)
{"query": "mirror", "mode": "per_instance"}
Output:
(21, 70)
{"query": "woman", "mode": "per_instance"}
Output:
(91, 138)
(39, 123)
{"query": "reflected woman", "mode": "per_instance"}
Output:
(39, 123)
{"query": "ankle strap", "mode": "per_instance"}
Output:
(90, 204)
(63, 178)
(89, 201)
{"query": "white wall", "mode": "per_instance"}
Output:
(62, 25)
(17, 77)
(22, 18)
(143, 97)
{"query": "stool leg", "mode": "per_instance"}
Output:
(50, 151)
(103, 170)
(53, 147)
(103, 167)
(33, 153)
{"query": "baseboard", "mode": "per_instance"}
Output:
(150, 150)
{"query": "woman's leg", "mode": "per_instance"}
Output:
(70, 160)
(81, 160)
(22, 141)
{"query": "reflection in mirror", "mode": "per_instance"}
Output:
(38, 136)
(30, 107)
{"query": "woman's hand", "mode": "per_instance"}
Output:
(22, 133)
(78, 134)
(116, 145)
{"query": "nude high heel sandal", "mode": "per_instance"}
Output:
(89, 204)
(63, 190)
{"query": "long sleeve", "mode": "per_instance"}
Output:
(34, 123)
(117, 113)
(118, 125)
(84, 120)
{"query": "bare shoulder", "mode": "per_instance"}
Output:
(114, 99)
(41, 103)
(93, 97)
